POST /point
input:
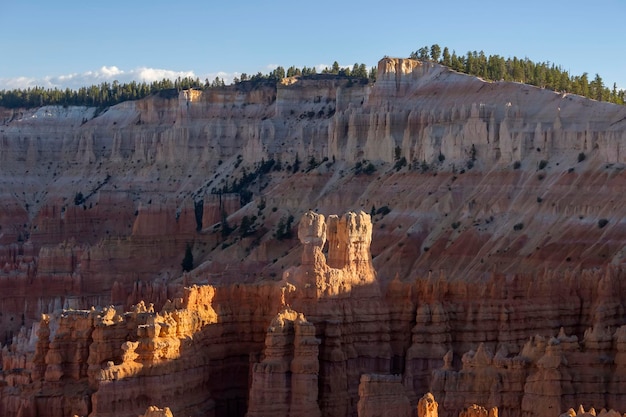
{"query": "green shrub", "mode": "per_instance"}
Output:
(79, 198)
(283, 229)
(364, 167)
(397, 153)
(187, 262)
(246, 228)
(369, 169)
(226, 229)
(400, 163)
(312, 164)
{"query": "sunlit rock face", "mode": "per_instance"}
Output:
(481, 219)
(349, 261)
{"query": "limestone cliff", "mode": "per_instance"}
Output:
(483, 217)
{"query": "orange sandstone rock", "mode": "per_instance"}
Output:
(478, 411)
(285, 382)
(427, 406)
(153, 411)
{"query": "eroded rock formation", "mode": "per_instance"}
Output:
(494, 220)
(591, 412)
(383, 395)
(285, 382)
(427, 406)
(174, 357)
(153, 411)
(475, 410)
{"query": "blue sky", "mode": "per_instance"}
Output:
(72, 43)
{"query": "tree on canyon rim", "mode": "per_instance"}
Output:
(435, 52)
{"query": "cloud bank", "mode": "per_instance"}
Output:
(106, 74)
(111, 73)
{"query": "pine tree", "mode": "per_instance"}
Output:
(278, 74)
(359, 71)
(187, 262)
(435, 52)
(373, 74)
(226, 229)
(446, 57)
(596, 88)
(422, 53)
(458, 63)
(246, 226)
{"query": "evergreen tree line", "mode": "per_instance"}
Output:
(541, 74)
(492, 67)
(357, 71)
(107, 94)
(103, 95)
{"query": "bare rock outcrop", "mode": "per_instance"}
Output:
(383, 395)
(157, 354)
(118, 356)
(475, 410)
(349, 263)
(427, 406)
(285, 381)
(344, 302)
(153, 411)
(546, 375)
(591, 412)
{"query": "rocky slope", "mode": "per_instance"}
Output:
(494, 276)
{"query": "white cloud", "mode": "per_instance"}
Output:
(226, 76)
(112, 73)
(154, 74)
(321, 67)
(106, 74)
(18, 82)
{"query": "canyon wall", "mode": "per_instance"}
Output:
(486, 217)
(323, 340)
